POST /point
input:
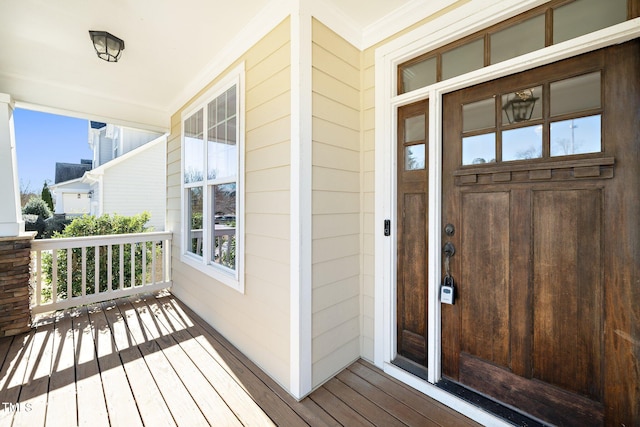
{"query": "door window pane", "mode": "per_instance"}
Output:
(193, 148)
(414, 158)
(576, 136)
(463, 59)
(586, 16)
(522, 143)
(418, 75)
(479, 149)
(479, 115)
(522, 105)
(224, 230)
(194, 213)
(414, 128)
(576, 94)
(518, 39)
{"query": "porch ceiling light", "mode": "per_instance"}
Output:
(519, 107)
(107, 46)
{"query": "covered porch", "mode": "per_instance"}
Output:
(149, 360)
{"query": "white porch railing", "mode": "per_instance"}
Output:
(75, 271)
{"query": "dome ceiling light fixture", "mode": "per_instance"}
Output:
(107, 46)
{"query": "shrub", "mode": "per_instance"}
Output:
(34, 223)
(96, 226)
(55, 224)
(37, 206)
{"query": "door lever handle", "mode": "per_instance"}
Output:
(449, 250)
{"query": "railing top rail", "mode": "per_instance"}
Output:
(89, 241)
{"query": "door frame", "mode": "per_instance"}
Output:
(463, 21)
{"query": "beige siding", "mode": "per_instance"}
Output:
(137, 184)
(335, 203)
(257, 322)
(367, 207)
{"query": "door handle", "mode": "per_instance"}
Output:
(449, 250)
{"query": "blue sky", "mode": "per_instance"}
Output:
(43, 139)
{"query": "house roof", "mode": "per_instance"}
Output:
(69, 171)
(172, 49)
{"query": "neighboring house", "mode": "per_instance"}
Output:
(131, 183)
(71, 196)
(327, 173)
(127, 176)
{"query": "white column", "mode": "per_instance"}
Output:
(11, 223)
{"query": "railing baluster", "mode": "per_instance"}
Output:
(133, 265)
(54, 276)
(69, 273)
(109, 268)
(121, 265)
(154, 255)
(84, 271)
(38, 277)
(96, 281)
(143, 278)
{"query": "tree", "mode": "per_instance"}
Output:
(25, 193)
(46, 196)
(37, 206)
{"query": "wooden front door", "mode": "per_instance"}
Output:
(541, 181)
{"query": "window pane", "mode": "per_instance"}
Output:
(479, 115)
(479, 149)
(193, 148)
(222, 154)
(194, 202)
(586, 16)
(517, 40)
(521, 144)
(223, 251)
(577, 94)
(576, 136)
(418, 75)
(414, 128)
(414, 157)
(522, 105)
(463, 59)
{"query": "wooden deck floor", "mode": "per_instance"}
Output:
(151, 361)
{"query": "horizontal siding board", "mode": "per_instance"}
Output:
(268, 134)
(273, 225)
(334, 225)
(273, 202)
(272, 156)
(335, 112)
(330, 64)
(331, 133)
(270, 111)
(330, 156)
(325, 179)
(322, 35)
(333, 248)
(331, 342)
(331, 202)
(275, 179)
(269, 89)
(269, 67)
(326, 367)
(331, 294)
(332, 317)
(335, 88)
(335, 270)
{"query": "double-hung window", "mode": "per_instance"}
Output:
(212, 165)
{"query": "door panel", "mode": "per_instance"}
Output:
(547, 318)
(486, 321)
(567, 269)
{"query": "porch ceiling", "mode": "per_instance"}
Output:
(47, 59)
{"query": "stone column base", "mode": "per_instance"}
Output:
(15, 289)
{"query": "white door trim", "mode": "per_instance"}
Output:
(465, 20)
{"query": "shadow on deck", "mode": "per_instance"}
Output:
(151, 361)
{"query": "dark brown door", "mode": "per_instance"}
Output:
(541, 178)
(412, 233)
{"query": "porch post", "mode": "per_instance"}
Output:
(11, 223)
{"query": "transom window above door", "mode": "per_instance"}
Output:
(552, 119)
(549, 24)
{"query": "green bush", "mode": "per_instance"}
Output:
(55, 224)
(37, 206)
(96, 226)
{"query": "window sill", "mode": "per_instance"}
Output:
(215, 273)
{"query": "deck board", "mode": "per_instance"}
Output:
(150, 360)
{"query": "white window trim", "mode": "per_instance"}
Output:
(463, 21)
(226, 276)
